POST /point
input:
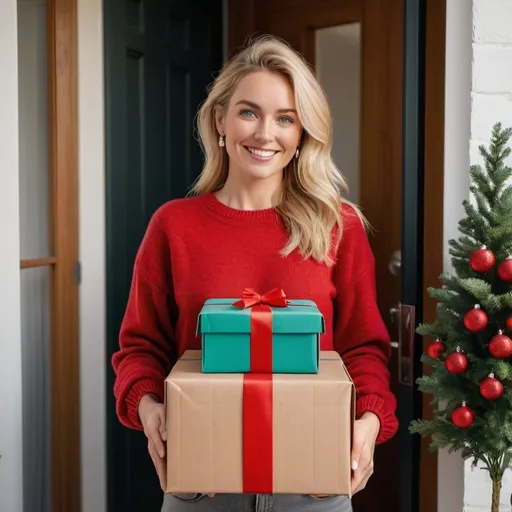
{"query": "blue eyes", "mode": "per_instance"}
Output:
(250, 114)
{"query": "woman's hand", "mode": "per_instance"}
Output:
(152, 417)
(366, 430)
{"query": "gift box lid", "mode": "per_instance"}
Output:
(220, 316)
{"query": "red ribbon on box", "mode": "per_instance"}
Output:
(258, 393)
(261, 325)
(257, 448)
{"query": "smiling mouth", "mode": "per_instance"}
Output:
(262, 153)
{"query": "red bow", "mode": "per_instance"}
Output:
(250, 297)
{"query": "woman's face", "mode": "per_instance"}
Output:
(261, 126)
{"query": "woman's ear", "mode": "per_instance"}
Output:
(219, 121)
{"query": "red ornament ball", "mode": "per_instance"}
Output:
(482, 260)
(508, 323)
(475, 319)
(456, 362)
(491, 388)
(436, 349)
(463, 416)
(500, 346)
(505, 270)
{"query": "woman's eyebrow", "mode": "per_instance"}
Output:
(255, 106)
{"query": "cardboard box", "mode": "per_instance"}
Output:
(311, 429)
(226, 337)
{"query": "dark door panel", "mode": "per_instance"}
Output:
(159, 58)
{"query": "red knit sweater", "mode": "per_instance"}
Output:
(198, 248)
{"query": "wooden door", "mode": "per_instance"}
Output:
(160, 57)
(48, 148)
(380, 166)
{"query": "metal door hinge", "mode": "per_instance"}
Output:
(77, 272)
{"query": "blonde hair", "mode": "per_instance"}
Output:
(310, 201)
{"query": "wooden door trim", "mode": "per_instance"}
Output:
(317, 15)
(239, 32)
(63, 131)
(38, 262)
(433, 213)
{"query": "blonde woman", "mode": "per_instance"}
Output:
(267, 211)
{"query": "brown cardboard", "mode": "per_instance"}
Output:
(313, 417)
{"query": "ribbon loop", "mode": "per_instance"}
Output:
(250, 298)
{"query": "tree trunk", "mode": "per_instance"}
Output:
(496, 491)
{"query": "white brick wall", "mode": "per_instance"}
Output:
(493, 21)
(491, 101)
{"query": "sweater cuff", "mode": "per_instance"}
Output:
(138, 390)
(376, 404)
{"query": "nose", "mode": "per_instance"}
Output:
(264, 131)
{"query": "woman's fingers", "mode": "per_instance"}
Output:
(153, 432)
(162, 427)
(362, 485)
(361, 475)
(160, 465)
(359, 482)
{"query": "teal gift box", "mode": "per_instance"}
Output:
(226, 337)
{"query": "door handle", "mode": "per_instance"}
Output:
(395, 263)
(394, 313)
(406, 336)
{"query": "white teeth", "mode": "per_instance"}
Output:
(262, 153)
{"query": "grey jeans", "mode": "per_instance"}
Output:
(254, 503)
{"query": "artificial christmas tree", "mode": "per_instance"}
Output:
(471, 378)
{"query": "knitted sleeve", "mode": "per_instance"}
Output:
(360, 335)
(147, 348)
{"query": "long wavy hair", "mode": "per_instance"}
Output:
(310, 202)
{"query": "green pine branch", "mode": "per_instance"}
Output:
(487, 222)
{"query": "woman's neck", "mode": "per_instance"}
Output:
(259, 195)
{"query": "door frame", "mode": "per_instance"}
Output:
(435, 59)
(434, 174)
(62, 34)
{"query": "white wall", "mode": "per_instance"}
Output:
(456, 188)
(478, 94)
(11, 470)
(338, 68)
(92, 255)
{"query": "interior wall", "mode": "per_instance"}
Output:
(92, 255)
(11, 451)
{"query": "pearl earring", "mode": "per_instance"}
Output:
(297, 153)
(221, 141)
